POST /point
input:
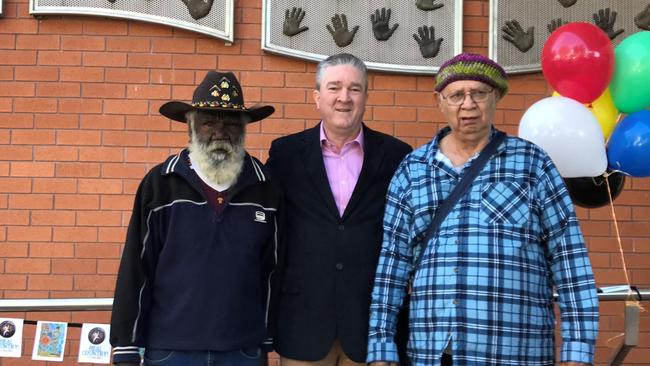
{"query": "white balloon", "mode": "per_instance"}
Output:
(569, 133)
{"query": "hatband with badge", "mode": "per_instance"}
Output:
(219, 91)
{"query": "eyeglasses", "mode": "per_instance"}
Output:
(457, 98)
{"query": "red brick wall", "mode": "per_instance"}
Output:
(79, 127)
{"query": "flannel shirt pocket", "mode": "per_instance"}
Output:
(505, 203)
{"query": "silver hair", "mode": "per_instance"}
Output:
(341, 59)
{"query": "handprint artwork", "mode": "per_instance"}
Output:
(429, 45)
(642, 20)
(514, 33)
(342, 36)
(380, 27)
(292, 20)
(605, 19)
(428, 5)
(567, 3)
(555, 24)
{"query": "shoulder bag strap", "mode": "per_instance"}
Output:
(458, 191)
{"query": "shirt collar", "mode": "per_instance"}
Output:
(434, 145)
(324, 141)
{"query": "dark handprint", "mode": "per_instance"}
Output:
(605, 21)
(428, 5)
(380, 24)
(429, 45)
(198, 8)
(642, 20)
(567, 3)
(342, 36)
(291, 25)
(515, 34)
(555, 24)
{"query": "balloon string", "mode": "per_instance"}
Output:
(619, 118)
(618, 236)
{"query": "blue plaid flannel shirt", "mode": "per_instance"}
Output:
(486, 280)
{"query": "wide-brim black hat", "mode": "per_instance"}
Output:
(219, 91)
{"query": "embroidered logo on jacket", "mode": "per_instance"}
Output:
(260, 216)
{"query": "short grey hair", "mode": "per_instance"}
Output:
(341, 59)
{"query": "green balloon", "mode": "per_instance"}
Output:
(630, 85)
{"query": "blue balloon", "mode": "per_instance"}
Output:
(628, 149)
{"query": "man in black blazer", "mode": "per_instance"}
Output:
(334, 176)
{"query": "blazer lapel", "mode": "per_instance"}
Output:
(373, 155)
(312, 156)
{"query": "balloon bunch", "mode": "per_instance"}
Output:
(596, 126)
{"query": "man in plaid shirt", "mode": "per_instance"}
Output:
(483, 291)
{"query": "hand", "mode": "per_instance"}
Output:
(642, 20)
(567, 3)
(606, 22)
(429, 45)
(572, 364)
(515, 35)
(342, 37)
(292, 20)
(380, 24)
(428, 5)
(198, 8)
(555, 24)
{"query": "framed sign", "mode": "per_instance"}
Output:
(519, 29)
(389, 35)
(214, 18)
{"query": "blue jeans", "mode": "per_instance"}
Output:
(244, 357)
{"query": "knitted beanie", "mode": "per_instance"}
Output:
(470, 66)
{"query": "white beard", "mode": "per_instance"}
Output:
(220, 167)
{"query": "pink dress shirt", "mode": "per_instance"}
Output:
(343, 167)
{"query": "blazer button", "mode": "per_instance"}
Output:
(339, 266)
(341, 227)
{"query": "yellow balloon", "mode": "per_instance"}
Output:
(604, 110)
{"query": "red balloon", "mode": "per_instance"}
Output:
(578, 61)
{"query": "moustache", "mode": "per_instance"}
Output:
(219, 145)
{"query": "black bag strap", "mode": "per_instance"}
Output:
(459, 190)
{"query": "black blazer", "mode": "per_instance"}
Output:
(327, 263)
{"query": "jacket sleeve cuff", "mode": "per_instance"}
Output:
(126, 354)
(577, 352)
(267, 345)
(382, 352)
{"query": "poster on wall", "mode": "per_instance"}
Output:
(389, 35)
(519, 29)
(94, 346)
(49, 341)
(11, 337)
(214, 18)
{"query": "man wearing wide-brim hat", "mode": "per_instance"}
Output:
(193, 284)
